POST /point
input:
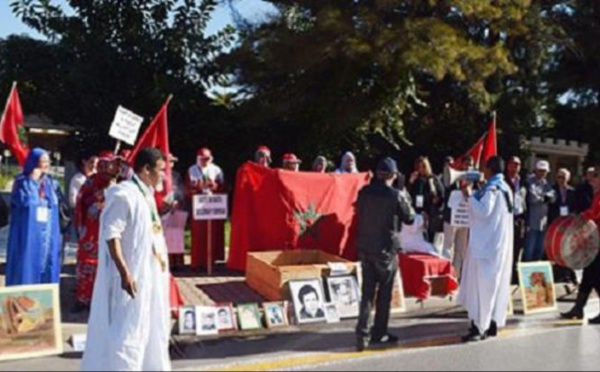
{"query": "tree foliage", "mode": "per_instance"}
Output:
(346, 74)
(105, 53)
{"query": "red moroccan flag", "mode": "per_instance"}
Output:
(490, 147)
(281, 210)
(156, 135)
(11, 127)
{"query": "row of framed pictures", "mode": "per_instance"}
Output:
(225, 317)
(312, 301)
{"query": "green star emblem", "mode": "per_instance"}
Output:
(307, 218)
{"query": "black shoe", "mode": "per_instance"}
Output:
(574, 313)
(493, 330)
(385, 339)
(361, 343)
(474, 335)
(595, 320)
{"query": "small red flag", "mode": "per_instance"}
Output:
(490, 147)
(156, 135)
(11, 127)
(484, 148)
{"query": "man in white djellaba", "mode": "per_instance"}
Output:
(485, 286)
(129, 320)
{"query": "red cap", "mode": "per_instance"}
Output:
(204, 153)
(264, 149)
(291, 158)
(106, 155)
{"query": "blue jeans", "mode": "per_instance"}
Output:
(534, 247)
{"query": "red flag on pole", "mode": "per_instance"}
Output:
(490, 147)
(11, 126)
(484, 148)
(474, 152)
(156, 135)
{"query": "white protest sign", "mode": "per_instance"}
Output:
(460, 209)
(125, 126)
(210, 207)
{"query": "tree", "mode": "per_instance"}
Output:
(328, 75)
(575, 78)
(107, 53)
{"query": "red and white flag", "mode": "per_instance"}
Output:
(11, 127)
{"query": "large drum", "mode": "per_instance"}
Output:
(572, 242)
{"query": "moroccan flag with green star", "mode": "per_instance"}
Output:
(12, 131)
(275, 209)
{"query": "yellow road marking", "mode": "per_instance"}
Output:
(328, 357)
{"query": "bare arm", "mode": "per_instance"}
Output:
(116, 253)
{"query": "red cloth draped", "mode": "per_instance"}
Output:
(280, 210)
(419, 269)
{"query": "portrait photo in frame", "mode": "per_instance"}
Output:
(331, 313)
(249, 316)
(187, 320)
(343, 291)
(275, 314)
(30, 321)
(536, 281)
(226, 319)
(308, 298)
(206, 320)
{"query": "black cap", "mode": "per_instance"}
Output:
(387, 165)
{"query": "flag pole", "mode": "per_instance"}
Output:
(14, 86)
(494, 117)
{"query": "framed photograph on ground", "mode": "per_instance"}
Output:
(308, 299)
(249, 316)
(275, 314)
(187, 320)
(331, 313)
(398, 299)
(30, 321)
(225, 317)
(343, 291)
(206, 320)
(537, 287)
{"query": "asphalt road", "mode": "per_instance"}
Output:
(568, 349)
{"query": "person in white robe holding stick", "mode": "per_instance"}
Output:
(485, 287)
(129, 320)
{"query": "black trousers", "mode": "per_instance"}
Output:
(518, 245)
(590, 281)
(378, 274)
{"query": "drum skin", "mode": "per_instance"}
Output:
(572, 242)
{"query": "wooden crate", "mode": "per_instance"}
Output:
(269, 272)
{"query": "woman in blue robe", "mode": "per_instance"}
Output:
(34, 239)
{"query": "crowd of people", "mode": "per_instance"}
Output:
(118, 207)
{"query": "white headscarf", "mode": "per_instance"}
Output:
(347, 156)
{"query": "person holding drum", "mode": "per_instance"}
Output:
(591, 274)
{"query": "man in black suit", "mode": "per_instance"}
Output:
(381, 210)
